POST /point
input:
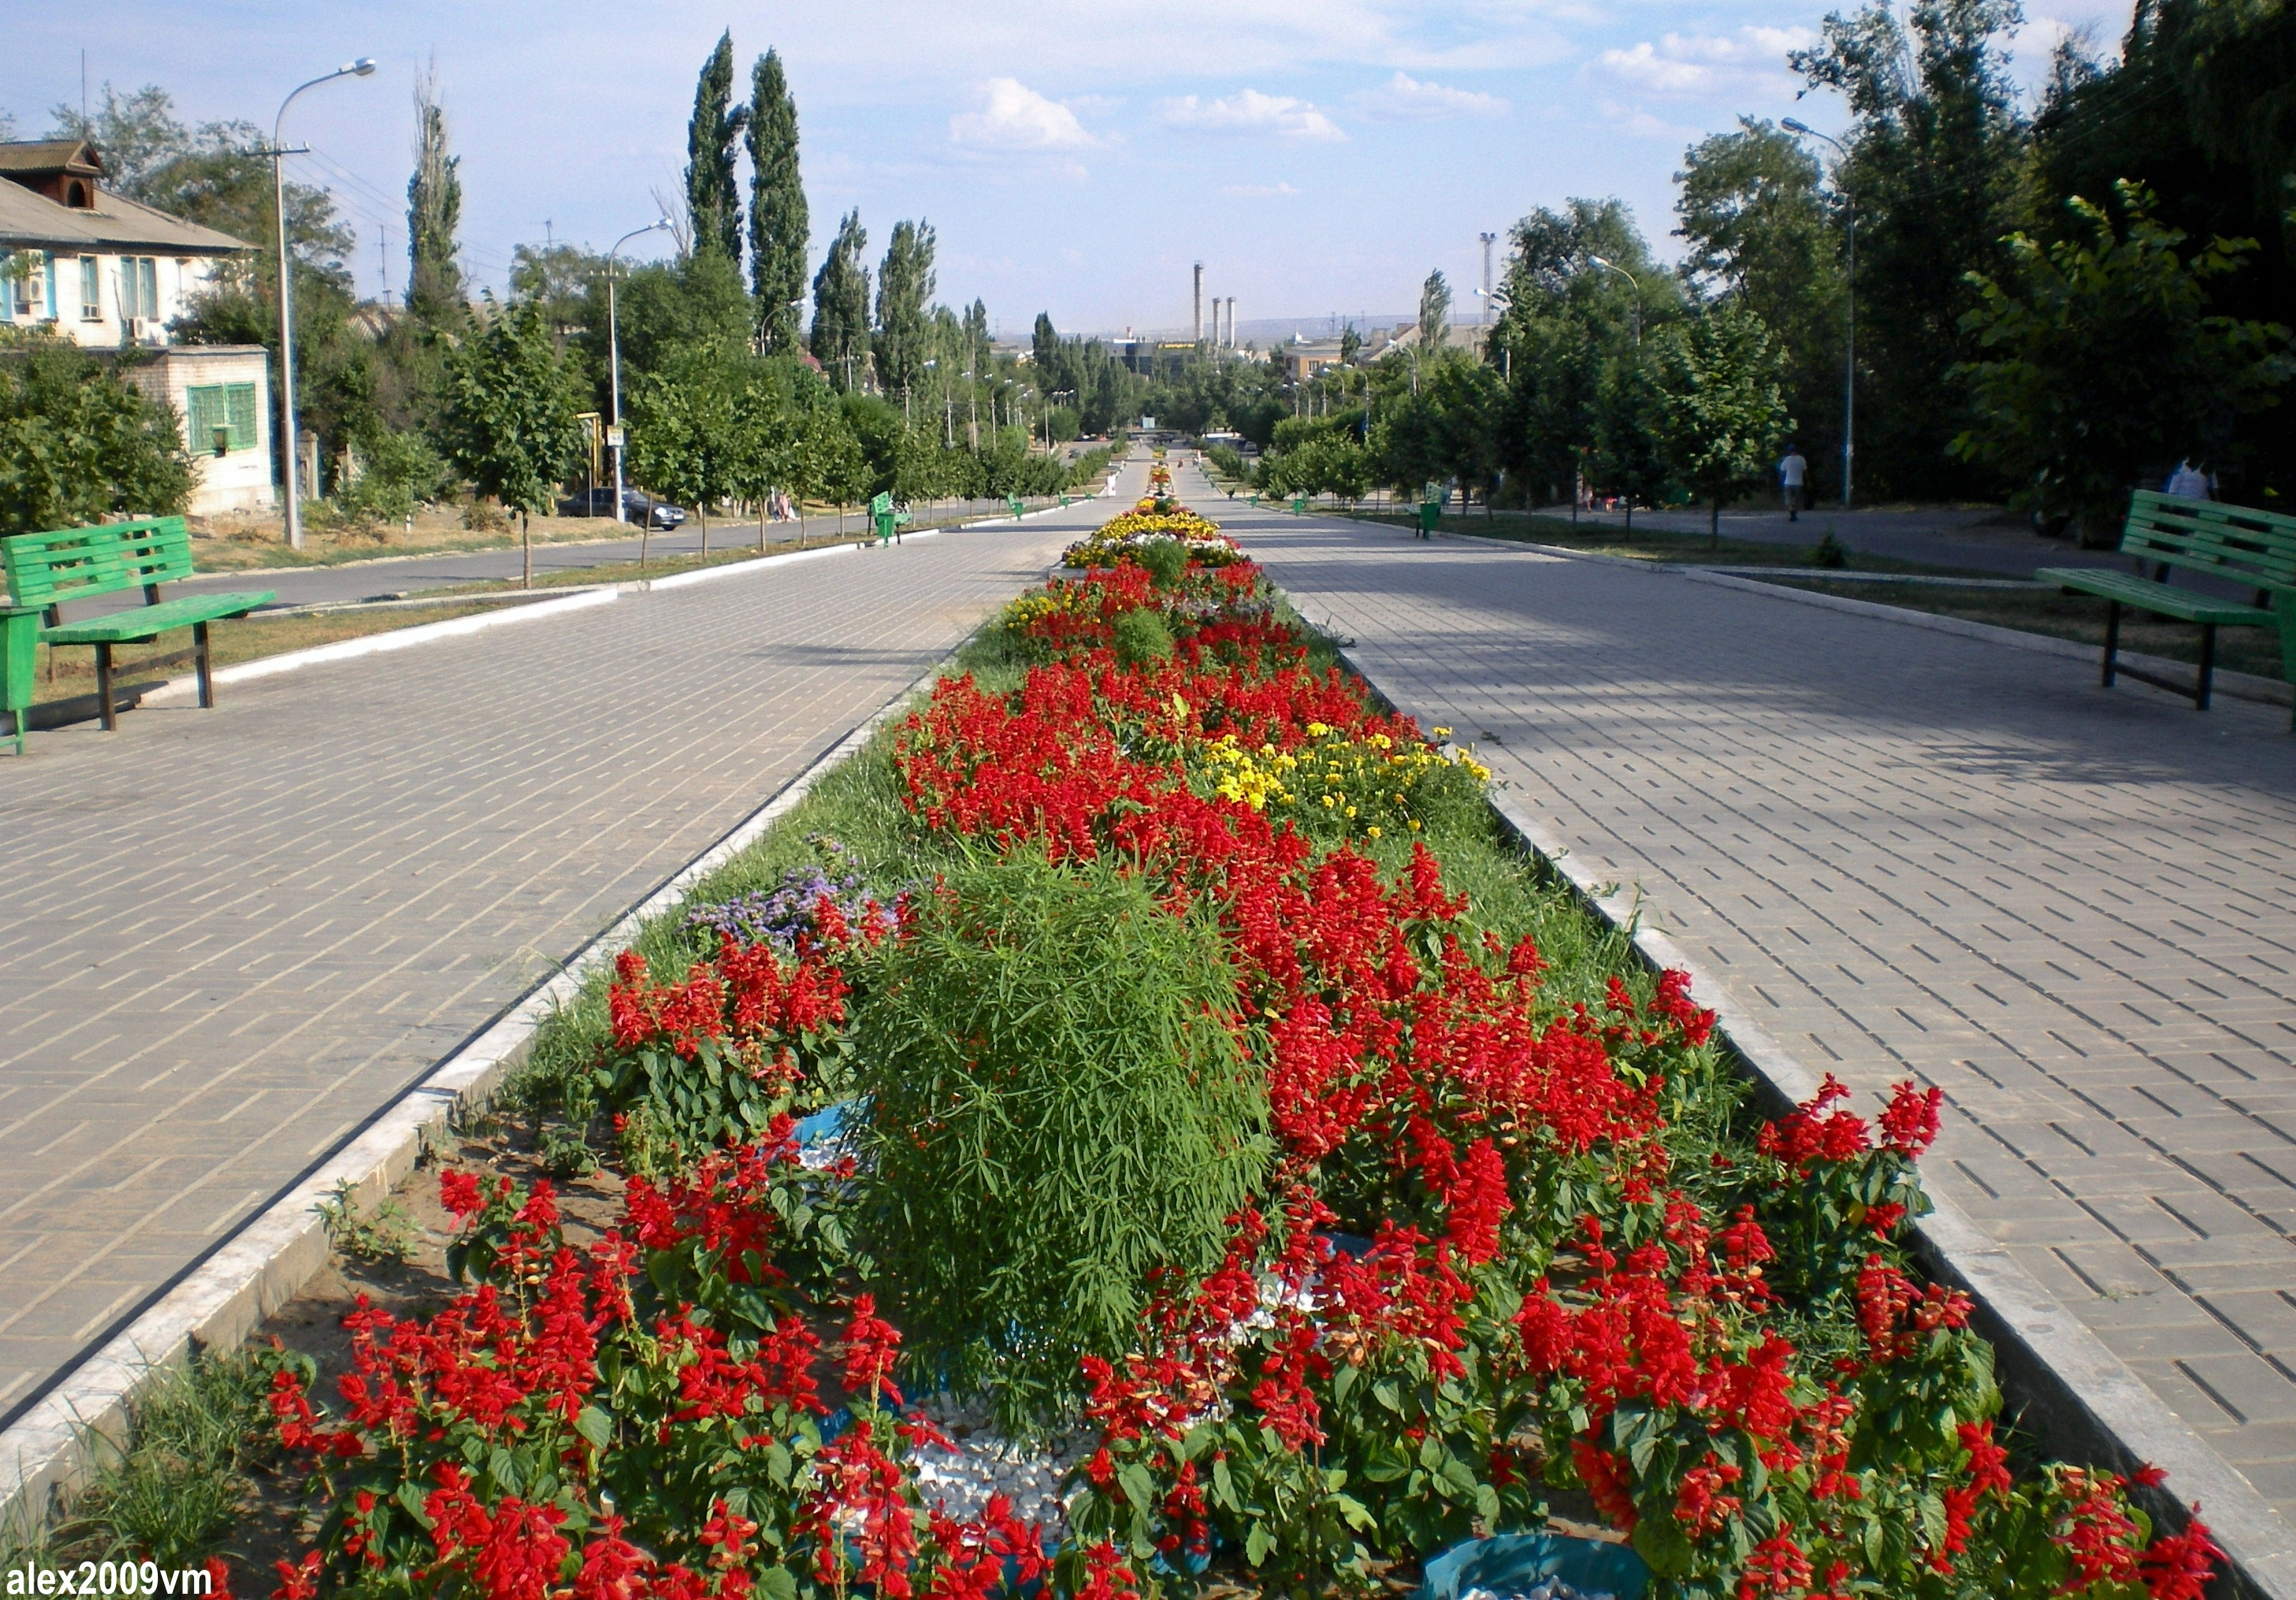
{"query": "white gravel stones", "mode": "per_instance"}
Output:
(1552, 1588)
(986, 1463)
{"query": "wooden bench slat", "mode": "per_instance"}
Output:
(143, 621)
(2147, 595)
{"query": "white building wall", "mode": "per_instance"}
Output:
(120, 305)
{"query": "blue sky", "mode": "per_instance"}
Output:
(1317, 155)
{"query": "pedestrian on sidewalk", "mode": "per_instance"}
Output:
(1792, 472)
(2188, 482)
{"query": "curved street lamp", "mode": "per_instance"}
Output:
(362, 68)
(1637, 284)
(614, 360)
(1849, 366)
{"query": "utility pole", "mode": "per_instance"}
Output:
(1200, 303)
(1484, 321)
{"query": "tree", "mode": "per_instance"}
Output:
(1351, 345)
(781, 228)
(905, 287)
(558, 277)
(1763, 236)
(1937, 158)
(713, 204)
(1724, 404)
(1434, 311)
(2103, 362)
(841, 307)
(435, 294)
(1629, 454)
(511, 422)
(78, 443)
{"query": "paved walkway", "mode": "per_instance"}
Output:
(1914, 853)
(228, 936)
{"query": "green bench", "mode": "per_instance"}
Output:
(2256, 549)
(1018, 509)
(49, 570)
(885, 519)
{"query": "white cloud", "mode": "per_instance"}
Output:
(1705, 64)
(1404, 98)
(1014, 116)
(1253, 112)
(1257, 190)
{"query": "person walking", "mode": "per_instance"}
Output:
(1792, 472)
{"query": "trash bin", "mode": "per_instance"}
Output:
(1431, 514)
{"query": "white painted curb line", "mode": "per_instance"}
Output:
(2078, 1396)
(270, 1259)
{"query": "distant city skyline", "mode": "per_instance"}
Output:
(1073, 160)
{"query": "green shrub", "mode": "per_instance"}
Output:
(1165, 561)
(182, 1482)
(1143, 636)
(1830, 552)
(398, 471)
(1059, 1104)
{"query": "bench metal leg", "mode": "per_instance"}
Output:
(2208, 665)
(2112, 638)
(207, 668)
(103, 689)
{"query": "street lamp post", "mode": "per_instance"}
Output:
(1636, 282)
(614, 359)
(1849, 366)
(362, 68)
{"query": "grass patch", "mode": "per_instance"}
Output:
(172, 1495)
(2079, 618)
(63, 672)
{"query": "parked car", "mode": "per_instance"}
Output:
(637, 507)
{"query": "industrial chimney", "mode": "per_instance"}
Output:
(1230, 322)
(1200, 302)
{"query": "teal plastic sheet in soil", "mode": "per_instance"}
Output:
(1515, 1563)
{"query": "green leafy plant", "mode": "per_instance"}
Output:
(181, 1482)
(1059, 1107)
(1166, 560)
(1142, 637)
(384, 1237)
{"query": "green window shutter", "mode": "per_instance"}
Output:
(238, 400)
(204, 413)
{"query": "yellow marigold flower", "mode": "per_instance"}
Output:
(1372, 830)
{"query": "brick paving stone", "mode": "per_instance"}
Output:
(1914, 853)
(252, 927)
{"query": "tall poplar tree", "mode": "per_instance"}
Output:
(780, 226)
(905, 287)
(712, 197)
(434, 214)
(841, 307)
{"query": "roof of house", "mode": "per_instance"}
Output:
(113, 223)
(50, 155)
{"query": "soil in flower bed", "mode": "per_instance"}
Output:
(1511, 1243)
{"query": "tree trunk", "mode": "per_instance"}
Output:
(526, 549)
(1714, 525)
(702, 521)
(761, 526)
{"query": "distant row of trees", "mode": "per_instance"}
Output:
(2052, 305)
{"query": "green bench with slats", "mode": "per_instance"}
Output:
(47, 571)
(2254, 549)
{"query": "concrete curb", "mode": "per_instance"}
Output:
(2070, 1391)
(269, 1260)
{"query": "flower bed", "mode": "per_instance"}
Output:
(1508, 1245)
(1120, 540)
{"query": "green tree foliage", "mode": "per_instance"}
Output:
(1565, 325)
(1762, 236)
(1059, 1107)
(1723, 381)
(1629, 455)
(2102, 362)
(841, 307)
(781, 228)
(1936, 155)
(559, 279)
(905, 287)
(1434, 313)
(1101, 390)
(511, 424)
(435, 291)
(80, 444)
(713, 202)
(683, 444)
(666, 309)
(2196, 108)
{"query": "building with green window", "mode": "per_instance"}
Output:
(88, 265)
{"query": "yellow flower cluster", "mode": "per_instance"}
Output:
(1334, 785)
(1115, 539)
